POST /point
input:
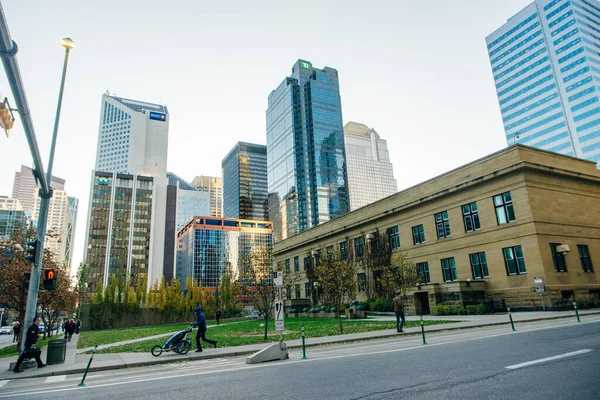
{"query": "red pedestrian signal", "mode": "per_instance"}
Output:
(49, 279)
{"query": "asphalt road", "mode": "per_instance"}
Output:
(475, 364)
(5, 340)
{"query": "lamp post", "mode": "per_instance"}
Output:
(36, 267)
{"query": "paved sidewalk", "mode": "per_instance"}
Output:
(76, 363)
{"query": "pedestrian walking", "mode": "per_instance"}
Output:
(16, 331)
(218, 315)
(69, 329)
(399, 310)
(77, 326)
(30, 351)
(201, 324)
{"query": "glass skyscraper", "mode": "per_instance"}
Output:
(546, 66)
(245, 182)
(305, 151)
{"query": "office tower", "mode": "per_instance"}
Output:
(128, 194)
(305, 151)
(214, 186)
(12, 216)
(133, 137)
(208, 247)
(62, 214)
(245, 182)
(370, 172)
(546, 66)
(25, 188)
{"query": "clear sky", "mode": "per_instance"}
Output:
(416, 71)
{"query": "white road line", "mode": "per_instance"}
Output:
(543, 360)
(57, 378)
(2, 383)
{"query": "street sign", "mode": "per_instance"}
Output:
(279, 315)
(539, 288)
(538, 280)
(278, 279)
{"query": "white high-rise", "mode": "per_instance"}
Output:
(370, 172)
(546, 66)
(132, 151)
(25, 188)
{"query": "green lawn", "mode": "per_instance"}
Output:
(251, 332)
(12, 350)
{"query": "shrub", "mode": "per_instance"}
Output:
(305, 309)
(381, 305)
(333, 309)
(359, 308)
(364, 305)
(447, 309)
(476, 310)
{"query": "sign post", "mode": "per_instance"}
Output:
(279, 324)
(539, 287)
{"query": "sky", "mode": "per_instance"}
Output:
(415, 71)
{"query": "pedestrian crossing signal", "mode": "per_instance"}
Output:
(49, 279)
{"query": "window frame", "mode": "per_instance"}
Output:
(394, 237)
(344, 250)
(359, 247)
(307, 263)
(288, 268)
(424, 273)
(515, 259)
(585, 259)
(296, 264)
(419, 235)
(451, 268)
(361, 280)
(298, 291)
(307, 290)
(442, 224)
(559, 259)
(470, 216)
(504, 205)
(481, 263)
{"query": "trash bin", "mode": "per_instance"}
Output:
(56, 351)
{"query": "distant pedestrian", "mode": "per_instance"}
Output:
(218, 315)
(399, 310)
(30, 351)
(16, 331)
(201, 324)
(69, 329)
(77, 326)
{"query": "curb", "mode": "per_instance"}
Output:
(235, 353)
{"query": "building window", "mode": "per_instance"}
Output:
(307, 263)
(359, 247)
(471, 217)
(560, 263)
(505, 211)
(296, 264)
(374, 243)
(514, 261)
(288, 293)
(287, 266)
(394, 237)
(344, 250)
(479, 265)
(442, 224)
(423, 269)
(418, 234)
(318, 257)
(584, 256)
(362, 282)
(298, 292)
(307, 290)
(449, 270)
(329, 252)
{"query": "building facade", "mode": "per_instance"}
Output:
(214, 187)
(370, 172)
(306, 158)
(209, 247)
(480, 233)
(68, 237)
(546, 66)
(25, 189)
(245, 182)
(12, 216)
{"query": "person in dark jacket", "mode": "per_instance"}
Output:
(30, 340)
(201, 324)
(16, 331)
(218, 315)
(399, 310)
(69, 329)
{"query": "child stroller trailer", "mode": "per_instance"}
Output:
(179, 343)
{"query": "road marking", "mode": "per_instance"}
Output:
(543, 360)
(57, 378)
(2, 383)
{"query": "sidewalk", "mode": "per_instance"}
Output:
(76, 363)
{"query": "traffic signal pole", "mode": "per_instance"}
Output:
(8, 51)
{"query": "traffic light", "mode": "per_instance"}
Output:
(49, 279)
(31, 250)
(6, 117)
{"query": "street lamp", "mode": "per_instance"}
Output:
(36, 267)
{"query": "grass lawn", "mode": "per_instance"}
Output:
(251, 332)
(12, 349)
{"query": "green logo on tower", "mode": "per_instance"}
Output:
(305, 65)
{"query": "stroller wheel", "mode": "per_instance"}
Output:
(156, 350)
(183, 347)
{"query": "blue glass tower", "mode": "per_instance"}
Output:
(546, 66)
(306, 160)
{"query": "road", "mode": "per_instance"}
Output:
(5, 340)
(552, 359)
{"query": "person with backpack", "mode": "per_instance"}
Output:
(201, 324)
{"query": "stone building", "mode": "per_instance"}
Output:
(479, 233)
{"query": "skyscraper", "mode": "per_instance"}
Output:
(12, 216)
(127, 214)
(214, 186)
(305, 151)
(25, 187)
(245, 182)
(546, 66)
(370, 172)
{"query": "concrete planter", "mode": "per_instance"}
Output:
(323, 315)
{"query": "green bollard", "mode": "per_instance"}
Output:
(511, 320)
(423, 330)
(303, 345)
(576, 312)
(88, 366)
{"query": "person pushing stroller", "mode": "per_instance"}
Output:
(201, 324)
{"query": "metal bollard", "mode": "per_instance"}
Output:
(423, 330)
(576, 312)
(88, 367)
(303, 345)
(511, 320)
